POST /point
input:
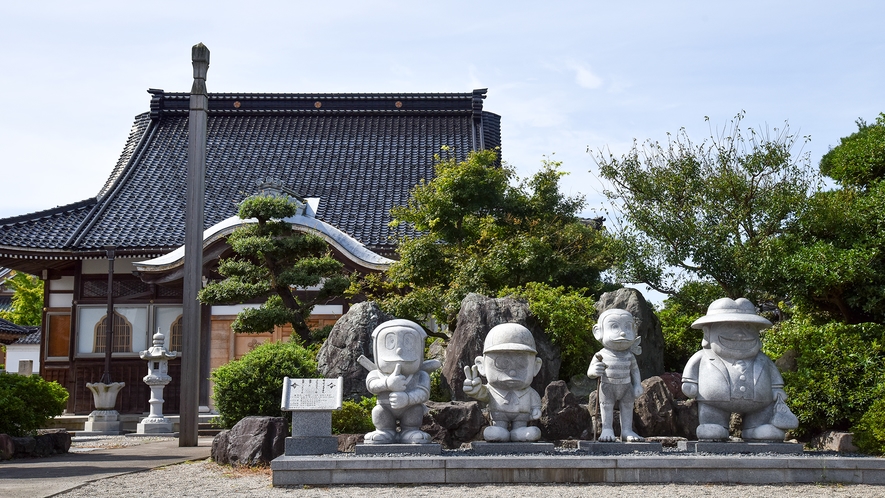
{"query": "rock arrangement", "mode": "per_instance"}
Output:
(252, 441)
(43, 445)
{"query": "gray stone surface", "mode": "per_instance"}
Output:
(606, 448)
(453, 423)
(666, 468)
(738, 447)
(317, 423)
(477, 316)
(562, 417)
(654, 413)
(410, 449)
(486, 448)
(835, 441)
(311, 445)
(651, 361)
(351, 337)
(252, 441)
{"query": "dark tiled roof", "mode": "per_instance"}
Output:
(359, 153)
(8, 327)
(5, 303)
(32, 338)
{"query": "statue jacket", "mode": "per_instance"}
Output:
(716, 383)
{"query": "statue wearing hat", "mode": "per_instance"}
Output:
(731, 375)
(401, 382)
(510, 363)
(615, 366)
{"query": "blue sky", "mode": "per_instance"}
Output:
(564, 76)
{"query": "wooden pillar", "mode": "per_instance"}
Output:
(189, 407)
(109, 323)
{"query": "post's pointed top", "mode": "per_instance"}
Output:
(199, 53)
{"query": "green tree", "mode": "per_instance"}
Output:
(679, 312)
(703, 211)
(481, 230)
(271, 259)
(835, 249)
(27, 300)
(28, 402)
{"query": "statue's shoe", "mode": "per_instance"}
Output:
(525, 434)
(765, 432)
(712, 432)
(414, 436)
(495, 434)
(380, 437)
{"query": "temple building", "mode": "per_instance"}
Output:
(347, 158)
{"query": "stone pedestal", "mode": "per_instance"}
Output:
(600, 448)
(485, 448)
(738, 447)
(311, 434)
(409, 449)
(104, 419)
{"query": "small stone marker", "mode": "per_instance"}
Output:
(25, 367)
(311, 402)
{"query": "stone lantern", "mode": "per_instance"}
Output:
(158, 367)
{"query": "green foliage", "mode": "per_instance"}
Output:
(27, 300)
(567, 317)
(438, 392)
(701, 211)
(481, 233)
(272, 258)
(869, 431)
(839, 370)
(253, 385)
(354, 417)
(679, 312)
(28, 402)
(859, 159)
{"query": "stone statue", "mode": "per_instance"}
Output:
(615, 366)
(509, 362)
(730, 375)
(400, 381)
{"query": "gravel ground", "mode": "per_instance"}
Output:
(208, 479)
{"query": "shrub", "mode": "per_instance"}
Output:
(869, 432)
(438, 390)
(28, 402)
(838, 369)
(253, 385)
(567, 317)
(354, 417)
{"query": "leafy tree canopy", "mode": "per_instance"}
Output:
(833, 256)
(702, 211)
(271, 259)
(483, 230)
(27, 300)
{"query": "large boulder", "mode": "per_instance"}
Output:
(7, 447)
(651, 361)
(252, 441)
(653, 411)
(453, 423)
(351, 337)
(562, 417)
(477, 316)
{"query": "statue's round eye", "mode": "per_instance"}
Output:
(390, 341)
(409, 341)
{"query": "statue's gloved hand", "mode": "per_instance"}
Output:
(536, 413)
(638, 390)
(690, 389)
(779, 394)
(398, 400)
(396, 382)
(472, 381)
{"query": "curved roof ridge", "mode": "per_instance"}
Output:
(46, 213)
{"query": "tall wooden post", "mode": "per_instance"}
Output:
(193, 250)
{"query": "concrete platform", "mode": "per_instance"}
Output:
(486, 448)
(600, 448)
(669, 467)
(410, 449)
(738, 447)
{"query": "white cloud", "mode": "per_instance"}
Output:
(585, 77)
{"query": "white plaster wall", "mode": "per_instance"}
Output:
(16, 352)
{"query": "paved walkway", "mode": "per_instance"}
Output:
(41, 477)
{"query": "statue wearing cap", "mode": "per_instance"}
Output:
(731, 375)
(509, 363)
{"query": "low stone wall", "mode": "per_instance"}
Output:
(42, 445)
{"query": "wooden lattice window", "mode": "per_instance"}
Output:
(122, 334)
(175, 334)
